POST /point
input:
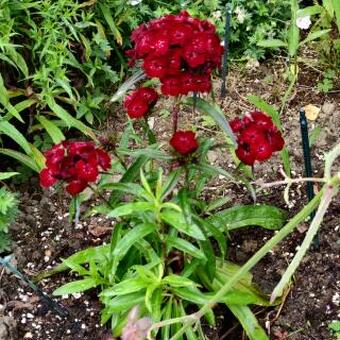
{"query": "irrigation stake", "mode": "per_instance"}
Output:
(58, 308)
(226, 50)
(308, 164)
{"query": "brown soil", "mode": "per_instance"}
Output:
(43, 234)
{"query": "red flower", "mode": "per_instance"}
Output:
(155, 66)
(261, 149)
(275, 140)
(159, 43)
(139, 102)
(46, 178)
(261, 120)
(75, 187)
(175, 62)
(184, 142)
(138, 108)
(257, 137)
(236, 125)
(244, 154)
(103, 159)
(195, 83)
(178, 45)
(87, 171)
(149, 94)
(75, 163)
(171, 86)
(180, 33)
(80, 149)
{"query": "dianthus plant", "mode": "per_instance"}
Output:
(167, 253)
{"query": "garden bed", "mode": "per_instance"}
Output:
(43, 234)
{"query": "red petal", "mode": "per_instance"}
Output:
(46, 178)
(138, 108)
(104, 159)
(184, 142)
(87, 171)
(245, 156)
(80, 148)
(76, 186)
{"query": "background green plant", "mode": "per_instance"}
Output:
(8, 212)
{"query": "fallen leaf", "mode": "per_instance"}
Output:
(312, 111)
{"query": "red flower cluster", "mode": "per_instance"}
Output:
(257, 137)
(139, 102)
(76, 163)
(184, 142)
(180, 50)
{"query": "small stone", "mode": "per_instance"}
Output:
(28, 335)
(48, 252)
(328, 108)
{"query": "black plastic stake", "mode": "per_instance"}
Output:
(58, 308)
(308, 163)
(226, 50)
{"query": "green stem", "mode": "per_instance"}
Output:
(312, 231)
(288, 228)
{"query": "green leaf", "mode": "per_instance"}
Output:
(76, 287)
(12, 132)
(171, 182)
(285, 159)
(174, 280)
(265, 216)
(177, 220)
(4, 100)
(127, 286)
(328, 6)
(249, 322)
(190, 334)
(68, 119)
(185, 246)
(127, 188)
(130, 175)
(6, 175)
(293, 32)
(155, 302)
(131, 237)
(19, 61)
(314, 35)
(216, 204)
(267, 108)
(211, 170)
(309, 10)
(191, 294)
(167, 315)
(314, 135)
(148, 296)
(125, 302)
(109, 19)
(25, 104)
(131, 208)
(216, 113)
(216, 233)
(55, 133)
(336, 6)
(272, 43)
(22, 158)
(38, 157)
(98, 254)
